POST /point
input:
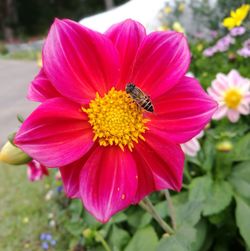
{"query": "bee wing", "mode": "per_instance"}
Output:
(139, 93)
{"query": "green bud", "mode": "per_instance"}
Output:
(11, 154)
(224, 146)
(88, 233)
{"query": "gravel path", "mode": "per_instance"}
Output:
(15, 77)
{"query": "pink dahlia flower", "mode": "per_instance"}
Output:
(232, 92)
(36, 171)
(110, 152)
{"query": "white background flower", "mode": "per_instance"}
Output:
(232, 92)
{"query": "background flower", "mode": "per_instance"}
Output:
(233, 95)
(36, 171)
(192, 147)
(237, 31)
(236, 17)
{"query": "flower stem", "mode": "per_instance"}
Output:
(171, 209)
(148, 206)
(100, 238)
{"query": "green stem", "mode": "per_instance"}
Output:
(171, 208)
(148, 206)
(187, 174)
(100, 238)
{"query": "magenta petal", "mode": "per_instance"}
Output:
(108, 182)
(127, 37)
(183, 112)
(160, 165)
(79, 62)
(56, 133)
(162, 60)
(41, 89)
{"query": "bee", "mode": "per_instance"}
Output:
(139, 97)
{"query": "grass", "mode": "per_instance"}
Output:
(23, 210)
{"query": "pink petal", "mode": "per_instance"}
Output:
(234, 77)
(56, 133)
(218, 87)
(108, 182)
(220, 112)
(214, 94)
(162, 60)
(160, 165)
(36, 170)
(71, 175)
(244, 108)
(79, 62)
(127, 37)
(183, 112)
(233, 115)
(41, 89)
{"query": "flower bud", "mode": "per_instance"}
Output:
(11, 154)
(224, 146)
(88, 233)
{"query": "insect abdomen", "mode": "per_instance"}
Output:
(146, 104)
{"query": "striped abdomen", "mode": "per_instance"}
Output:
(140, 97)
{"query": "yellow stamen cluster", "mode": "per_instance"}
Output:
(233, 98)
(116, 119)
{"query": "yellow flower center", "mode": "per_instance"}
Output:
(233, 98)
(116, 119)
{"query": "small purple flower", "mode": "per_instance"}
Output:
(48, 237)
(59, 189)
(53, 242)
(214, 33)
(244, 52)
(224, 43)
(43, 236)
(246, 44)
(237, 31)
(45, 246)
(209, 52)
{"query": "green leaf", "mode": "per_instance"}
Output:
(242, 149)
(200, 188)
(118, 238)
(242, 218)
(90, 220)
(209, 153)
(76, 208)
(11, 138)
(181, 241)
(201, 231)
(120, 217)
(75, 228)
(240, 179)
(144, 239)
(188, 213)
(20, 118)
(138, 218)
(219, 198)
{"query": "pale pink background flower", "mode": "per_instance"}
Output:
(237, 31)
(245, 50)
(192, 147)
(232, 92)
(107, 174)
(36, 171)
